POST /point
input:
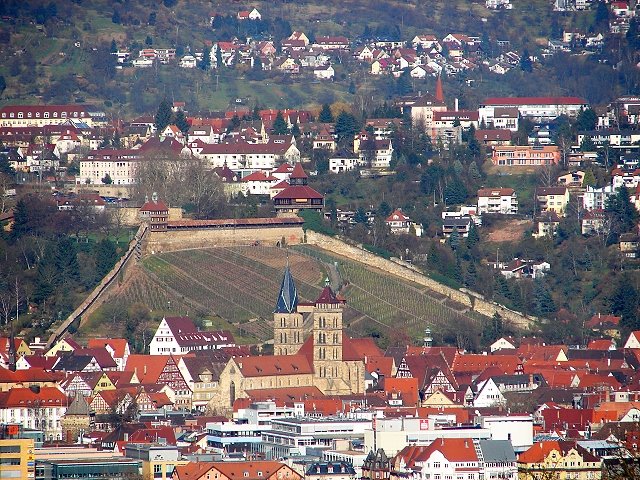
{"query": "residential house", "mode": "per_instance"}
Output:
(596, 198)
(332, 43)
(324, 72)
(118, 348)
(373, 153)
(188, 61)
(398, 223)
(343, 161)
(629, 245)
(497, 200)
(505, 118)
(252, 14)
(179, 335)
(560, 458)
(257, 183)
(546, 225)
(524, 155)
(493, 137)
(552, 199)
(594, 222)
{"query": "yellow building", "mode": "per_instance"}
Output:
(17, 459)
(558, 459)
(158, 461)
(553, 199)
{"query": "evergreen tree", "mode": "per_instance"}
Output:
(326, 116)
(106, 257)
(181, 122)
(625, 215)
(455, 192)
(66, 261)
(115, 18)
(346, 126)
(492, 329)
(205, 63)
(403, 84)
(361, 216)
(473, 238)
(352, 88)
(279, 125)
(587, 144)
(148, 41)
(5, 166)
(218, 57)
(525, 62)
(471, 276)
(589, 179)
(474, 171)
(587, 120)
(295, 130)
(163, 115)
(114, 46)
(601, 18)
(543, 304)
(454, 239)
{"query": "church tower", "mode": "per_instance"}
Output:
(327, 338)
(287, 322)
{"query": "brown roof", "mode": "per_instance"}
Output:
(274, 365)
(495, 192)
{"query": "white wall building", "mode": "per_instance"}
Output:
(596, 198)
(40, 408)
(497, 200)
(517, 429)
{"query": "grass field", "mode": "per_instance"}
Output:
(237, 288)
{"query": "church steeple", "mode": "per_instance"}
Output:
(287, 321)
(288, 296)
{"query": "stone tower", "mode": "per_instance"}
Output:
(287, 322)
(327, 338)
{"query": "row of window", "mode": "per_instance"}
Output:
(45, 115)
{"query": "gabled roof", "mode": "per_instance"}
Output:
(539, 451)
(154, 206)
(397, 216)
(327, 297)
(119, 345)
(274, 365)
(28, 397)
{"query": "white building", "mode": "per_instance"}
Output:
(188, 61)
(343, 162)
(179, 335)
(488, 395)
(120, 165)
(517, 429)
(539, 108)
(41, 115)
(40, 408)
(497, 200)
(393, 434)
(596, 198)
(249, 157)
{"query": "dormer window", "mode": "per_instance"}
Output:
(46, 114)
(20, 114)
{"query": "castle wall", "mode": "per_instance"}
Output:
(171, 240)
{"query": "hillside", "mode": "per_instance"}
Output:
(236, 288)
(68, 48)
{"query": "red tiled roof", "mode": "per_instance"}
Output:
(118, 345)
(298, 171)
(26, 397)
(275, 365)
(298, 191)
(396, 216)
(157, 206)
(539, 451)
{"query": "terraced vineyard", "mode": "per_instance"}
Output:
(240, 285)
(393, 302)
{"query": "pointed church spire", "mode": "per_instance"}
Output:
(439, 91)
(288, 296)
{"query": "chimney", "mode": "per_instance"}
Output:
(145, 370)
(455, 105)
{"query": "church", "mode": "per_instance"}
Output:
(311, 353)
